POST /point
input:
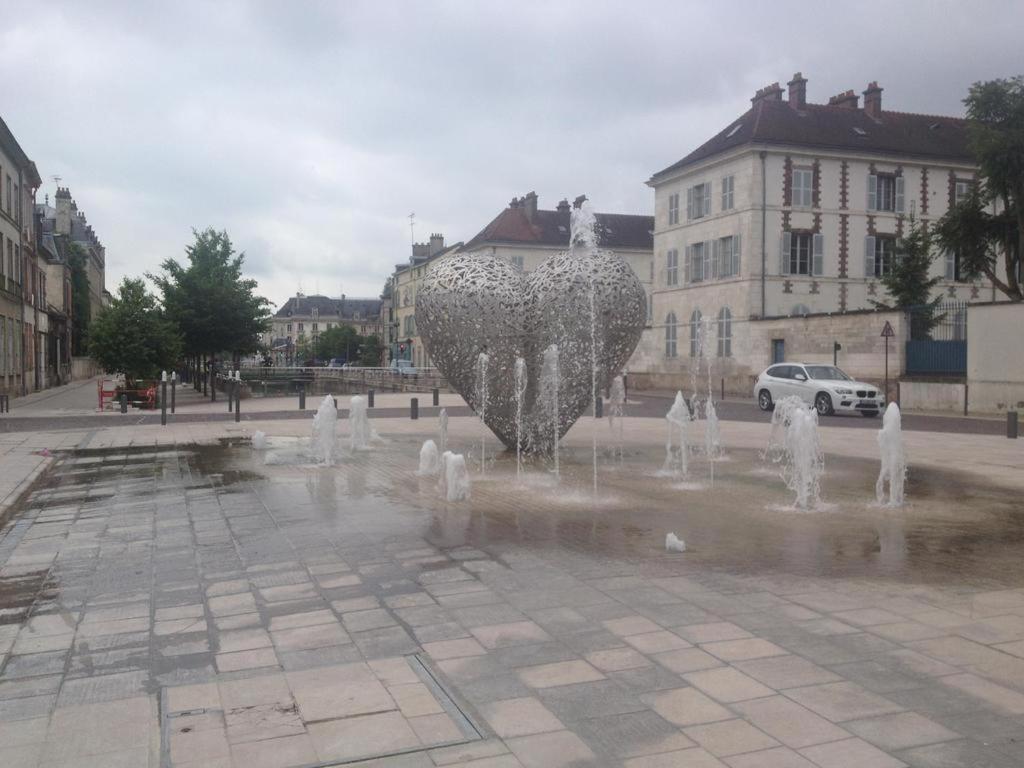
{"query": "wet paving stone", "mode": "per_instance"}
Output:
(296, 615)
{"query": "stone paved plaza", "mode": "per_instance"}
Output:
(171, 597)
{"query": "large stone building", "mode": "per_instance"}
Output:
(794, 209)
(404, 338)
(23, 319)
(302, 318)
(64, 233)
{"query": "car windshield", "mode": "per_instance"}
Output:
(826, 372)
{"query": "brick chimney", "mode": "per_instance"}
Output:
(873, 100)
(530, 204)
(62, 202)
(771, 92)
(798, 91)
(579, 201)
(436, 243)
(563, 206)
(847, 100)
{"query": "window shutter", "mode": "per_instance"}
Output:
(818, 264)
(715, 256)
(872, 191)
(785, 246)
(686, 264)
(950, 266)
(707, 198)
(735, 255)
(869, 256)
(899, 194)
(689, 203)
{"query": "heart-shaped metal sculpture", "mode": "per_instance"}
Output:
(586, 301)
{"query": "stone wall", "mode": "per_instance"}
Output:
(995, 357)
(806, 339)
(84, 368)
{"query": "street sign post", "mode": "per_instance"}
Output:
(887, 333)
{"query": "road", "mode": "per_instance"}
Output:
(642, 404)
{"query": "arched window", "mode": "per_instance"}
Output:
(670, 335)
(724, 332)
(696, 347)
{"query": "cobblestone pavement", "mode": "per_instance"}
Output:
(204, 606)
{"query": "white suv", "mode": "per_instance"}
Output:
(825, 387)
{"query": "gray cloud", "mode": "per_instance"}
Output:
(310, 130)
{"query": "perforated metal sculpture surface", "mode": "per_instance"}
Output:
(475, 303)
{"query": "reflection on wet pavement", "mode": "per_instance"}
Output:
(294, 613)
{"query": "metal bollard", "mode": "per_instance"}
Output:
(598, 407)
(437, 396)
(5, 403)
(238, 400)
(1011, 425)
(302, 396)
(124, 403)
(369, 398)
(163, 403)
(414, 408)
(174, 385)
(229, 390)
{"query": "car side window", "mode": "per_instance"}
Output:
(778, 371)
(796, 369)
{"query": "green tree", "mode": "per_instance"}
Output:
(341, 341)
(133, 336)
(908, 281)
(982, 239)
(214, 307)
(81, 307)
(369, 352)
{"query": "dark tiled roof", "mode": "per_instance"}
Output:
(514, 226)
(328, 308)
(822, 126)
(13, 149)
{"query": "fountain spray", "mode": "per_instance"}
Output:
(481, 391)
(894, 462)
(549, 395)
(520, 383)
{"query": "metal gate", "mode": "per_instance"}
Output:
(938, 340)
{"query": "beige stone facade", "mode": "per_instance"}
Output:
(794, 209)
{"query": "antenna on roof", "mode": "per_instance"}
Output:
(57, 179)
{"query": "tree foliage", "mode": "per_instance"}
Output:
(992, 243)
(909, 282)
(133, 336)
(214, 307)
(81, 307)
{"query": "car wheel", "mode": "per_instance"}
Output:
(823, 404)
(764, 400)
(869, 414)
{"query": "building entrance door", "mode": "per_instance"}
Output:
(778, 351)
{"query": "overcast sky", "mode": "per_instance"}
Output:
(310, 130)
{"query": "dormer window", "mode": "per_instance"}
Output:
(733, 130)
(859, 131)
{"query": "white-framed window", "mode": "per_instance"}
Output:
(672, 267)
(673, 208)
(698, 263)
(881, 257)
(301, 327)
(517, 261)
(724, 332)
(960, 190)
(728, 184)
(695, 340)
(698, 201)
(885, 192)
(803, 187)
(954, 267)
(802, 253)
(671, 328)
(728, 256)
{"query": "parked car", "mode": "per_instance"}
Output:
(403, 368)
(825, 387)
